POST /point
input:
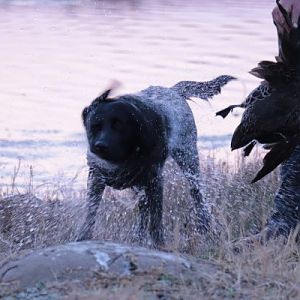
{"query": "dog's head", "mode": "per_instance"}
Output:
(113, 127)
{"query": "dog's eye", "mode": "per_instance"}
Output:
(96, 127)
(117, 125)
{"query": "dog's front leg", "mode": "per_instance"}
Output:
(154, 196)
(140, 232)
(94, 196)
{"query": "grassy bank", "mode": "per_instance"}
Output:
(239, 209)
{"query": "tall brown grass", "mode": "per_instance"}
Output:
(240, 209)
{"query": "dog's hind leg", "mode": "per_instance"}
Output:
(94, 196)
(188, 161)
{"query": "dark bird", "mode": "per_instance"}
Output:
(272, 110)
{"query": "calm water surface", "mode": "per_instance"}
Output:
(56, 56)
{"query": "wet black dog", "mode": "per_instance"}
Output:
(130, 138)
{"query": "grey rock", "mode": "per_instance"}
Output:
(82, 260)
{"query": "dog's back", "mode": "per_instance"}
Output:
(172, 104)
(174, 109)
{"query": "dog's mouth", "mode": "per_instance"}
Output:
(103, 155)
(106, 156)
(101, 150)
(100, 160)
(113, 156)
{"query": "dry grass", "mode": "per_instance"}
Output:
(240, 209)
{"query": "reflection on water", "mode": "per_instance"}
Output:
(57, 55)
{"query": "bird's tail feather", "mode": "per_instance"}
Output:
(274, 72)
(224, 112)
(287, 65)
(287, 22)
(278, 154)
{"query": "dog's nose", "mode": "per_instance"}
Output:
(100, 148)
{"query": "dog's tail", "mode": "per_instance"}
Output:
(202, 90)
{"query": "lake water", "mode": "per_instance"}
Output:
(56, 56)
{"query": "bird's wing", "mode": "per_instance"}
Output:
(263, 121)
(262, 92)
(279, 153)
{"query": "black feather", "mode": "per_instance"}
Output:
(285, 14)
(278, 154)
(288, 40)
(273, 72)
(247, 150)
(224, 113)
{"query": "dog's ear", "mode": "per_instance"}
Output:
(102, 98)
(84, 114)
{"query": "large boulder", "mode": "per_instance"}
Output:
(35, 273)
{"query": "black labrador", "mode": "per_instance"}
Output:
(130, 138)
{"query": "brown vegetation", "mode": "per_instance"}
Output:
(240, 209)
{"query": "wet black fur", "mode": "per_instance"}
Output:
(142, 167)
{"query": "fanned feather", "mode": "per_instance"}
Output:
(278, 154)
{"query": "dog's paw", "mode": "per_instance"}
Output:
(157, 238)
(203, 222)
(158, 244)
(85, 234)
